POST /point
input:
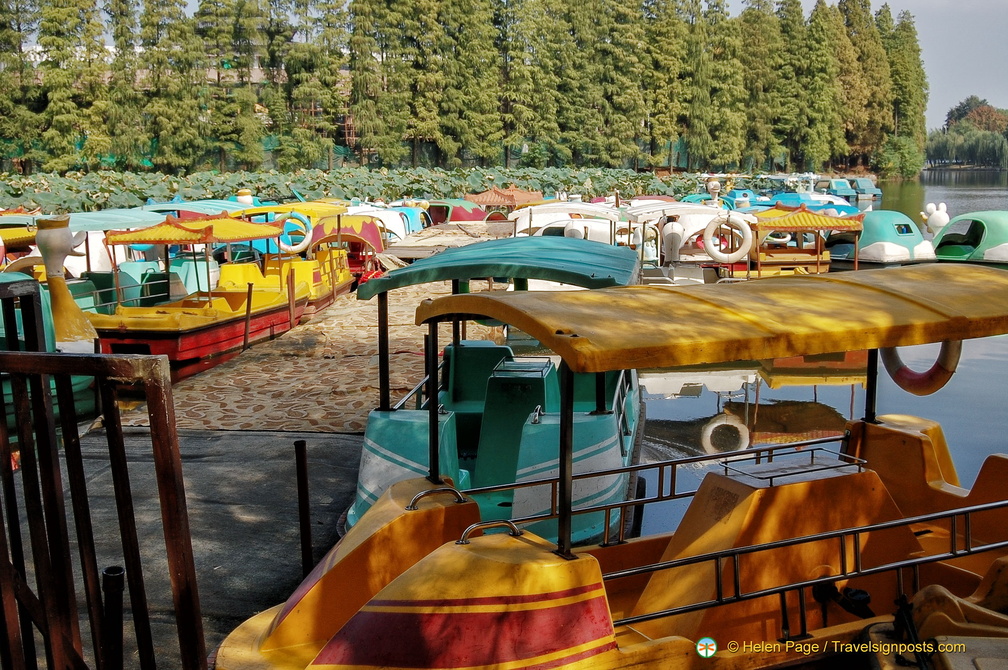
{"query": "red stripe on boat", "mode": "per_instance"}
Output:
(490, 600)
(456, 640)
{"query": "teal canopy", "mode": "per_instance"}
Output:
(551, 258)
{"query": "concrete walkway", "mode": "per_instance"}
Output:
(241, 492)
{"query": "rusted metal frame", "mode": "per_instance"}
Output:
(82, 512)
(17, 622)
(54, 501)
(127, 525)
(54, 610)
(174, 514)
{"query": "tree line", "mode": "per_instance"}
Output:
(288, 84)
(975, 133)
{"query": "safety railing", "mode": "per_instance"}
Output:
(50, 548)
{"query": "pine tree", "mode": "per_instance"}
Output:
(727, 82)
(662, 86)
(470, 122)
(867, 136)
(789, 94)
(853, 83)
(20, 96)
(763, 61)
(696, 88)
(175, 83)
(122, 105)
(622, 59)
(72, 66)
(824, 84)
(910, 86)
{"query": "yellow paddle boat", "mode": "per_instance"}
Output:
(210, 326)
(870, 552)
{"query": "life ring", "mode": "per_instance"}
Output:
(305, 241)
(724, 419)
(923, 383)
(732, 221)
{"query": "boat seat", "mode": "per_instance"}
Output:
(242, 274)
(468, 365)
(514, 390)
(160, 287)
(194, 273)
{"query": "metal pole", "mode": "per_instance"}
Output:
(566, 489)
(290, 296)
(113, 585)
(248, 317)
(304, 506)
(871, 388)
(431, 353)
(384, 385)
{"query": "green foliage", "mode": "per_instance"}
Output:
(77, 191)
(899, 157)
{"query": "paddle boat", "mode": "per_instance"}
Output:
(454, 210)
(840, 188)
(865, 189)
(785, 556)
(311, 246)
(782, 240)
(889, 238)
(497, 408)
(978, 237)
(203, 329)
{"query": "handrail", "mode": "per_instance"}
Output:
(843, 535)
(414, 391)
(459, 498)
(514, 532)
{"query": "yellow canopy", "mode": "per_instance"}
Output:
(658, 326)
(219, 230)
(801, 219)
(314, 210)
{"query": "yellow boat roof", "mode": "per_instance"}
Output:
(660, 326)
(221, 230)
(802, 219)
(314, 210)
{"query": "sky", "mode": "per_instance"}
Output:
(964, 46)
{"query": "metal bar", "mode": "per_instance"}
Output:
(456, 324)
(127, 526)
(304, 506)
(600, 399)
(384, 392)
(433, 439)
(248, 317)
(291, 297)
(174, 513)
(566, 457)
(110, 650)
(871, 386)
(82, 512)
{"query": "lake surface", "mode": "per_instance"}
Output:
(776, 404)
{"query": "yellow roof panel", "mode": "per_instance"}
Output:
(804, 220)
(313, 210)
(659, 326)
(221, 230)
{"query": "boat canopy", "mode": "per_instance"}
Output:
(349, 228)
(205, 206)
(220, 230)
(658, 326)
(113, 219)
(801, 219)
(313, 209)
(561, 259)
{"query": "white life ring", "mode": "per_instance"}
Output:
(724, 419)
(923, 383)
(732, 221)
(305, 242)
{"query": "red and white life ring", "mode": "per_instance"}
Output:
(731, 221)
(929, 381)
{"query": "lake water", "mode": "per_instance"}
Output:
(776, 405)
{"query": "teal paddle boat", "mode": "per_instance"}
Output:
(978, 237)
(497, 412)
(888, 238)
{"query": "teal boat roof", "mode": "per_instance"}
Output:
(113, 219)
(995, 219)
(206, 206)
(552, 258)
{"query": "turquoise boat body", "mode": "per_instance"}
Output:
(499, 411)
(888, 238)
(977, 237)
